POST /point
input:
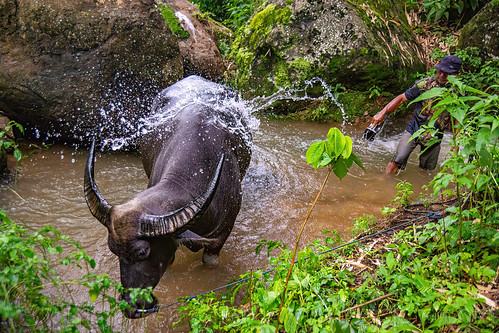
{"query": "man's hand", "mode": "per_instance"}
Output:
(378, 118)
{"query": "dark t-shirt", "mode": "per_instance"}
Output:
(422, 109)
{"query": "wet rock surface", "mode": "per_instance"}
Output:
(482, 31)
(200, 52)
(69, 68)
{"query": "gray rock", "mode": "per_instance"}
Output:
(75, 68)
(482, 31)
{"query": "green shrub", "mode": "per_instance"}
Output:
(34, 296)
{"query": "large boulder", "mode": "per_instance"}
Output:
(356, 46)
(74, 68)
(198, 46)
(482, 31)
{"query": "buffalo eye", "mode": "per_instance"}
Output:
(142, 250)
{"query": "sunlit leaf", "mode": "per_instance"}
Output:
(314, 152)
(93, 295)
(336, 141)
(324, 160)
(347, 151)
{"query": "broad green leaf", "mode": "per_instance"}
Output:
(340, 169)
(485, 158)
(399, 324)
(495, 125)
(429, 94)
(347, 151)
(390, 261)
(481, 181)
(348, 162)
(336, 141)
(482, 137)
(323, 161)
(93, 295)
(17, 154)
(476, 91)
(314, 152)
(458, 113)
(444, 321)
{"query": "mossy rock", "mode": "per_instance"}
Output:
(482, 31)
(287, 44)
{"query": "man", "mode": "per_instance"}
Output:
(449, 65)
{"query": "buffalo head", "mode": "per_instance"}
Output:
(144, 243)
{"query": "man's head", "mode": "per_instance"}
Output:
(449, 65)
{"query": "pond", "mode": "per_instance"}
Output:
(278, 191)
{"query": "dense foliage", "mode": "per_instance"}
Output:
(35, 297)
(233, 13)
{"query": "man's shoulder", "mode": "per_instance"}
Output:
(426, 83)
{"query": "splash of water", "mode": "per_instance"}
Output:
(299, 93)
(186, 23)
(230, 111)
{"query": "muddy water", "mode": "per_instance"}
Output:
(278, 191)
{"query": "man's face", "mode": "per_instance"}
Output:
(442, 77)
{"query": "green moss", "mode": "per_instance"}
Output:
(250, 46)
(301, 69)
(172, 22)
(263, 22)
(281, 77)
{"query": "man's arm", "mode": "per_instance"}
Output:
(389, 108)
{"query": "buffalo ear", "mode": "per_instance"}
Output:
(179, 220)
(98, 206)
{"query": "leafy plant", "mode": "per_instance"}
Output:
(35, 297)
(335, 152)
(438, 9)
(9, 143)
(374, 91)
(363, 224)
(403, 197)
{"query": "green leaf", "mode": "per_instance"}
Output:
(399, 324)
(444, 321)
(485, 158)
(429, 94)
(390, 260)
(340, 169)
(17, 154)
(481, 181)
(458, 113)
(347, 151)
(482, 137)
(93, 295)
(314, 153)
(336, 141)
(324, 160)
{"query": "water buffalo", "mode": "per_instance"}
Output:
(195, 149)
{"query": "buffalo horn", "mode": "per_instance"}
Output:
(177, 221)
(95, 201)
